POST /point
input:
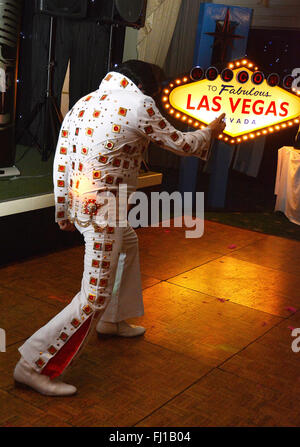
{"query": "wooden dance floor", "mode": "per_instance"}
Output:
(219, 312)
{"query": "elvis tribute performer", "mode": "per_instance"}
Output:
(100, 146)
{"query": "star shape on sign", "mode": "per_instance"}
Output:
(224, 34)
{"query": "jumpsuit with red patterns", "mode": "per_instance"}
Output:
(100, 146)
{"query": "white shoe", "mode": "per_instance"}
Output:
(25, 375)
(122, 329)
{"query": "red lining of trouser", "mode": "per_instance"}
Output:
(60, 361)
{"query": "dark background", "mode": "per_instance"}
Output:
(84, 41)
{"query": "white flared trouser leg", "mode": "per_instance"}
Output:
(53, 347)
(126, 301)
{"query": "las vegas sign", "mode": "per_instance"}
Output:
(255, 104)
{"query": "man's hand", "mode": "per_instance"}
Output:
(66, 225)
(217, 126)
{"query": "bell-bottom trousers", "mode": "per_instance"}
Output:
(110, 290)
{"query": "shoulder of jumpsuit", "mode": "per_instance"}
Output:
(82, 103)
(115, 82)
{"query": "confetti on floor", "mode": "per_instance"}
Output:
(291, 309)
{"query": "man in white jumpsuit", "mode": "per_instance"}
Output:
(100, 146)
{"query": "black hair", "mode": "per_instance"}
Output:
(150, 76)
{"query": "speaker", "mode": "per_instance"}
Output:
(132, 12)
(118, 12)
(73, 9)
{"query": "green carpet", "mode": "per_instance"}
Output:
(275, 223)
(35, 178)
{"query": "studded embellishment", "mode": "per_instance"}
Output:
(116, 162)
(63, 336)
(108, 77)
(64, 133)
(91, 207)
(186, 147)
(124, 83)
(97, 246)
(61, 168)
(105, 264)
(109, 179)
(52, 350)
(162, 124)
(108, 246)
(77, 131)
(103, 282)
(174, 136)
(88, 98)
(150, 111)
(84, 151)
(95, 263)
(87, 309)
(98, 229)
(80, 167)
(81, 113)
(103, 159)
(70, 200)
(91, 297)
(109, 145)
(116, 128)
(74, 147)
(75, 322)
(101, 300)
(103, 97)
(96, 113)
(110, 230)
(122, 111)
(148, 129)
(125, 164)
(60, 214)
(60, 183)
(96, 174)
(93, 281)
(40, 363)
(89, 131)
(61, 199)
(63, 150)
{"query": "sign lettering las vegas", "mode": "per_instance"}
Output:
(255, 105)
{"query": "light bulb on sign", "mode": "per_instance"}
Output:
(255, 104)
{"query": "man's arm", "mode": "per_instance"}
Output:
(156, 128)
(60, 174)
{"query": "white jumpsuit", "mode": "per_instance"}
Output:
(100, 146)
